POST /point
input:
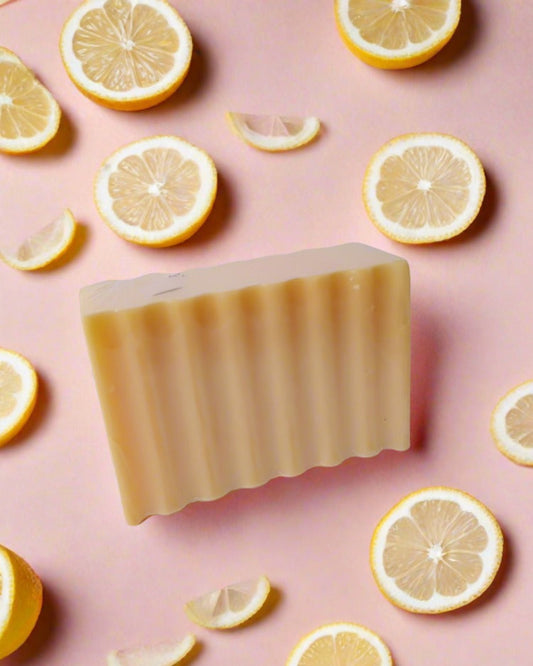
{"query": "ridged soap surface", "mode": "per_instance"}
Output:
(225, 377)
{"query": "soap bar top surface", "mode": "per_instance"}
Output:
(115, 295)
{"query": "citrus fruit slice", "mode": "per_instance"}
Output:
(273, 133)
(229, 606)
(43, 247)
(29, 115)
(18, 393)
(161, 654)
(21, 596)
(395, 34)
(340, 643)
(126, 54)
(438, 549)
(157, 191)
(512, 424)
(423, 188)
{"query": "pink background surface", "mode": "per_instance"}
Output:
(109, 585)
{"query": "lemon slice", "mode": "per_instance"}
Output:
(161, 654)
(29, 115)
(229, 606)
(423, 188)
(21, 594)
(273, 133)
(340, 643)
(157, 191)
(395, 34)
(43, 247)
(126, 54)
(436, 550)
(512, 424)
(18, 393)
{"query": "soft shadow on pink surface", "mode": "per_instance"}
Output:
(58, 146)
(43, 635)
(40, 412)
(426, 352)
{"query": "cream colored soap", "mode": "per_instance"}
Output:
(225, 377)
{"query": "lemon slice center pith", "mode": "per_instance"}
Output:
(123, 46)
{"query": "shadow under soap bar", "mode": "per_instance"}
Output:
(225, 377)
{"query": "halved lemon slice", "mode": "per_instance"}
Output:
(29, 115)
(423, 188)
(126, 54)
(395, 34)
(340, 643)
(512, 424)
(161, 654)
(21, 595)
(43, 247)
(438, 549)
(229, 606)
(18, 394)
(157, 191)
(273, 133)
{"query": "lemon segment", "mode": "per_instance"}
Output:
(29, 115)
(43, 247)
(157, 191)
(423, 188)
(229, 606)
(21, 595)
(340, 643)
(273, 133)
(126, 54)
(160, 654)
(396, 34)
(18, 393)
(438, 549)
(512, 424)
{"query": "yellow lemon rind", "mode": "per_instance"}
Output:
(395, 60)
(444, 608)
(291, 143)
(437, 234)
(510, 451)
(24, 603)
(31, 398)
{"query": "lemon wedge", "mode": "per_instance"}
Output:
(340, 643)
(423, 188)
(273, 133)
(18, 393)
(160, 654)
(125, 54)
(43, 247)
(29, 115)
(21, 594)
(157, 191)
(229, 606)
(512, 424)
(438, 549)
(395, 34)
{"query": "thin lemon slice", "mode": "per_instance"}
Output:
(21, 594)
(157, 191)
(438, 549)
(43, 247)
(512, 424)
(29, 115)
(273, 133)
(229, 606)
(18, 393)
(126, 54)
(161, 654)
(423, 188)
(340, 643)
(395, 34)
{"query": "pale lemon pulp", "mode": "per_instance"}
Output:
(519, 421)
(10, 385)
(25, 108)
(342, 648)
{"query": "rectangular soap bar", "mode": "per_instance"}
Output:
(225, 377)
